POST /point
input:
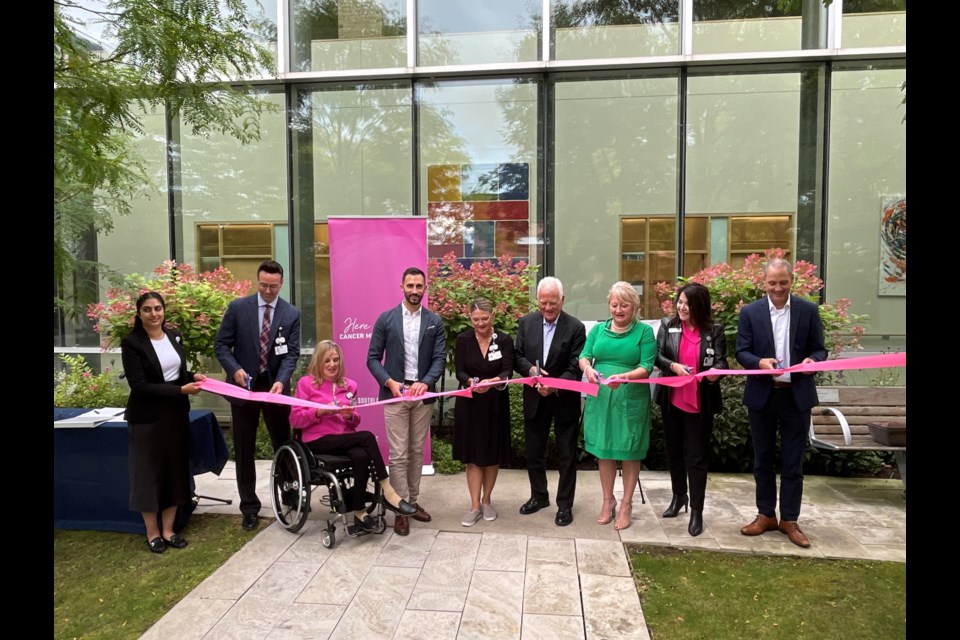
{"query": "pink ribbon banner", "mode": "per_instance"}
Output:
(863, 362)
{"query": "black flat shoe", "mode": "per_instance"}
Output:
(157, 545)
(405, 508)
(176, 541)
(367, 524)
(533, 505)
(249, 521)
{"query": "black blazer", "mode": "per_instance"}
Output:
(151, 397)
(668, 350)
(562, 359)
(755, 341)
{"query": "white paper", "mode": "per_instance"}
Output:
(89, 419)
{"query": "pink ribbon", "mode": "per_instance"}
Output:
(862, 362)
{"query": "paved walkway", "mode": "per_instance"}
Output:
(516, 577)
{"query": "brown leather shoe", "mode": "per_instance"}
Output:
(760, 524)
(793, 532)
(421, 515)
(401, 526)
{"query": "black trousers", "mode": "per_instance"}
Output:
(362, 449)
(687, 436)
(566, 426)
(779, 415)
(246, 420)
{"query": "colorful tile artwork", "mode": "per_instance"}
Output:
(478, 211)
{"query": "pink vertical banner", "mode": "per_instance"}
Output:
(367, 258)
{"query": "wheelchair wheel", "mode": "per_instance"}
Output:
(328, 537)
(291, 486)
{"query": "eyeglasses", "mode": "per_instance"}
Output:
(269, 287)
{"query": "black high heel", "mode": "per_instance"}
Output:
(679, 500)
(696, 522)
(404, 509)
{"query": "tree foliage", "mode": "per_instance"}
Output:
(179, 56)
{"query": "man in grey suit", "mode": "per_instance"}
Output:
(406, 356)
(552, 339)
(258, 345)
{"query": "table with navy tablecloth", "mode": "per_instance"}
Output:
(91, 488)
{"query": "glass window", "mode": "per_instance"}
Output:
(353, 148)
(478, 167)
(866, 239)
(238, 247)
(615, 177)
(239, 189)
(745, 25)
(582, 29)
(327, 35)
(874, 23)
(470, 32)
(262, 16)
(743, 160)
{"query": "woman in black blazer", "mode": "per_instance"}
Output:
(688, 343)
(158, 421)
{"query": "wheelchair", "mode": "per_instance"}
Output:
(296, 470)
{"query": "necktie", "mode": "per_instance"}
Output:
(264, 337)
(547, 339)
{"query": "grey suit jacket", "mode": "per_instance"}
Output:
(237, 344)
(385, 355)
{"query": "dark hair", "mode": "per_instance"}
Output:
(413, 271)
(270, 266)
(698, 301)
(137, 322)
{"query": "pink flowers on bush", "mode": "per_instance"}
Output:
(195, 304)
(730, 289)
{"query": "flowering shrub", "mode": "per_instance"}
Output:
(731, 289)
(76, 385)
(453, 287)
(195, 304)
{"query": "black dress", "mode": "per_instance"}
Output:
(481, 431)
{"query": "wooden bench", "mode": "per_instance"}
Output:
(839, 422)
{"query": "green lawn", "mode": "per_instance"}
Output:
(709, 594)
(109, 586)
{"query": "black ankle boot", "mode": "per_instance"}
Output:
(679, 501)
(696, 522)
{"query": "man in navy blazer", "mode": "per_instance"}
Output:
(258, 345)
(407, 354)
(544, 405)
(775, 332)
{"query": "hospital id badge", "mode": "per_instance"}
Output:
(280, 349)
(494, 355)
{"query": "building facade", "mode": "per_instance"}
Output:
(600, 140)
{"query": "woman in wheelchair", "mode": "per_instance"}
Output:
(334, 431)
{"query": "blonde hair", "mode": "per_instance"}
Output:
(625, 292)
(315, 368)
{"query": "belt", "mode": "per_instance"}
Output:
(409, 382)
(779, 384)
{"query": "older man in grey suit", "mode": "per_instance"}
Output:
(406, 356)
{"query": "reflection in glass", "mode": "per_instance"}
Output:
(262, 15)
(874, 23)
(478, 160)
(329, 35)
(736, 26)
(868, 168)
(470, 32)
(616, 158)
(613, 29)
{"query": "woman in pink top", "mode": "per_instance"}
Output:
(334, 431)
(688, 343)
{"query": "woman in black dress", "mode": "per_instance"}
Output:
(158, 421)
(481, 432)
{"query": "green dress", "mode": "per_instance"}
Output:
(616, 423)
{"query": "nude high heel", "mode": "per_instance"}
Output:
(606, 515)
(625, 519)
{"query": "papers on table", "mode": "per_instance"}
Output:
(90, 419)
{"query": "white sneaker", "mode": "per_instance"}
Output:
(470, 518)
(489, 513)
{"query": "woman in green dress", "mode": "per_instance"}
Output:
(616, 423)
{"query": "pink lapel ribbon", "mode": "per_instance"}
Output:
(863, 362)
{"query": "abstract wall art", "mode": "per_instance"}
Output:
(893, 245)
